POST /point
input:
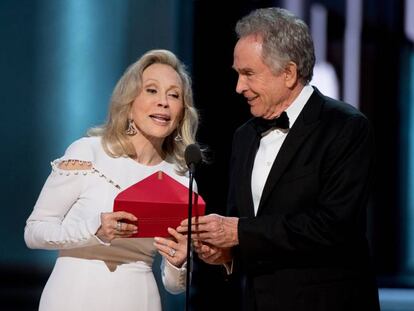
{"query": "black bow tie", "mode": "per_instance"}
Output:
(263, 125)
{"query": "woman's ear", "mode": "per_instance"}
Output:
(291, 74)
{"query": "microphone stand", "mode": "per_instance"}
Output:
(189, 250)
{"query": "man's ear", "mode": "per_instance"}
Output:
(290, 74)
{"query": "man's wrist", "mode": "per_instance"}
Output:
(234, 230)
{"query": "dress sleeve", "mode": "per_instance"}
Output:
(173, 278)
(47, 226)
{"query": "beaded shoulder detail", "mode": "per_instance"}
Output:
(79, 167)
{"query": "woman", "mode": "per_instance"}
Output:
(151, 121)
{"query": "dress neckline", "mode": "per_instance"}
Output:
(138, 164)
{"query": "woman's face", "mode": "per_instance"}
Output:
(158, 108)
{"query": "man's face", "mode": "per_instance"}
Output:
(265, 91)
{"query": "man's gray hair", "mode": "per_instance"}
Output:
(285, 38)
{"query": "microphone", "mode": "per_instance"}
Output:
(192, 156)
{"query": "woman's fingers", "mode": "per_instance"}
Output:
(124, 215)
(163, 246)
(122, 221)
(117, 225)
(178, 236)
(124, 227)
(125, 233)
(174, 250)
(168, 250)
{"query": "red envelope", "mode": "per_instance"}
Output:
(159, 202)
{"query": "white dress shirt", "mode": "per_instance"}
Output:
(270, 145)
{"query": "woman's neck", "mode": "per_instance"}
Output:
(148, 151)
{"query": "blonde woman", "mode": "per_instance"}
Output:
(151, 121)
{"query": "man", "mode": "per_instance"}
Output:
(299, 187)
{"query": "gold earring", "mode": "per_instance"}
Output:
(131, 130)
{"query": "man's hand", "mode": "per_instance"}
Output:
(211, 254)
(213, 229)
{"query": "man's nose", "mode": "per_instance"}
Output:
(241, 85)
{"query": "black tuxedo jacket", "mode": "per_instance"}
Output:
(306, 248)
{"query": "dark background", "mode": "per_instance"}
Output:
(381, 97)
(43, 110)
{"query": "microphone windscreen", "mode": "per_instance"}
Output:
(192, 154)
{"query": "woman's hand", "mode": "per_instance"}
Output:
(175, 249)
(112, 226)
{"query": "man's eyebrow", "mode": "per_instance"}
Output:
(244, 70)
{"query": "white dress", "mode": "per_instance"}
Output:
(89, 274)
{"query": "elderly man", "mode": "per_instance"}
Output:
(299, 181)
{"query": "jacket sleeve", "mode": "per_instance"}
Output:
(231, 209)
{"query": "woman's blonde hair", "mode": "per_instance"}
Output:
(114, 139)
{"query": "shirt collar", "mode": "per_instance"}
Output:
(296, 107)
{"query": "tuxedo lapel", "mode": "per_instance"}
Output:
(246, 199)
(306, 122)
